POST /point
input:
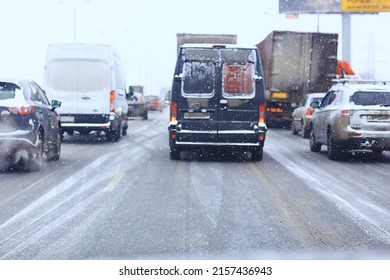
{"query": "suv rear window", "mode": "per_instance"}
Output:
(10, 94)
(367, 98)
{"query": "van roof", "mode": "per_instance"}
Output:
(227, 46)
(80, 50)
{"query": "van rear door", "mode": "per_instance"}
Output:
(198, 101)
(83, 86)
(238, 102)
(218, 101)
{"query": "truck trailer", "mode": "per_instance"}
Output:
(295, 63)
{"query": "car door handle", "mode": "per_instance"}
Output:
(85, 97)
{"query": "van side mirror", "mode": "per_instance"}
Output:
(168, 96)
(178, 78)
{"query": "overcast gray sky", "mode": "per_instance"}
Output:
(144, 32)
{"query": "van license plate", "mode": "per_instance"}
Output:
(196, 115)
(378, 118)
(67, 118)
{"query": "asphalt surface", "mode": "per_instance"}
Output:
(128, 200)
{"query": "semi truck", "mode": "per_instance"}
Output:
(294, 64)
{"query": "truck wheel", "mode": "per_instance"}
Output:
(257, 154)
(314, 146)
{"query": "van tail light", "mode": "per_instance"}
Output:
(112, 99)
(262, 111)
(309, 111)
(173, 111)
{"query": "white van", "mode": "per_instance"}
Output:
(88, 80)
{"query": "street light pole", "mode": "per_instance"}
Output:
(74, 10)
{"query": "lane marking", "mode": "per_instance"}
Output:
(114, 182)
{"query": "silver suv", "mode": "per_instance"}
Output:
(353, 115)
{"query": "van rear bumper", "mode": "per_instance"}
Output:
(239, 139)
(86, 125)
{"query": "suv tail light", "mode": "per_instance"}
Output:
(24, 110)
(309, 111)
(173, 111)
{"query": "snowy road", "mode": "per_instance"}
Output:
(129, 200)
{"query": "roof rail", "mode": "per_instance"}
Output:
(357, 80)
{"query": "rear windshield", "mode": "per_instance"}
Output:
(370, 98)
(10, 94)
(238, 70)
(78, 75)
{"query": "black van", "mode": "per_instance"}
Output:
(217, 100)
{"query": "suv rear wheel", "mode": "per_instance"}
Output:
(333, 152)
(314, 146)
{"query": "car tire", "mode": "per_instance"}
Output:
(36, 158)
(305, 132)
(114, 135)
(174, 153)
(314, 146)
(257, 154)
(57, 149)
(294, 130)
(333, 152)
(145, 117)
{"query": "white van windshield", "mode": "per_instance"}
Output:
(78, 75)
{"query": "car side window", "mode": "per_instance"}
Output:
(37, 94)
(328, 99)
(325, 101)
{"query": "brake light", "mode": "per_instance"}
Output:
(262, 113)
(309, 111)
(345, 112)
(173, 111)
(112, 99)
(24, 110)
(112, 96)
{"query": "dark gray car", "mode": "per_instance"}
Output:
(30, 129)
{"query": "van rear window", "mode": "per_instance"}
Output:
(199, 78)
(238, 80)
(370, 98)
(78, 75)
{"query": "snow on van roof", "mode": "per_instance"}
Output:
(61, 51)
(227, 46)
